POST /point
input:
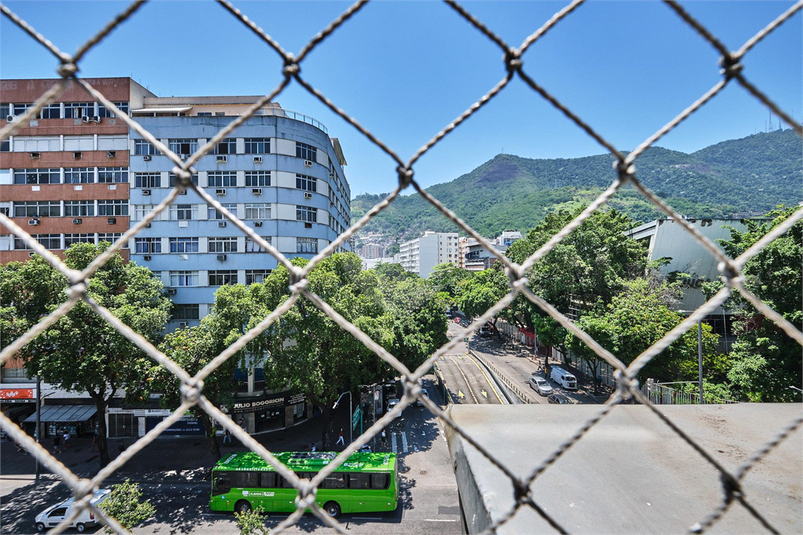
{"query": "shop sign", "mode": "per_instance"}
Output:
(186, 425)
(296, 398)
(17, 395)
(250, 406)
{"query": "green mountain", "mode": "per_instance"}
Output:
(751, 175)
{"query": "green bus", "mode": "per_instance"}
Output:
(365, 482)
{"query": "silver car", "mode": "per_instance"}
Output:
(540, 385)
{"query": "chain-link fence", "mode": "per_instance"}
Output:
(192, 386)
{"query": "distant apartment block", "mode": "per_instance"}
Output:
(476, 257)
(422, 254)
(372, 251)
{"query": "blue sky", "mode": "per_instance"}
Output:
(406, 69)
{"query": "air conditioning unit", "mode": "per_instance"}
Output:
(147, 257)
(182, 324)
(221, 224)
(258, 223)
(147, 157)
(221, 257)
(30, 253)
(307, 225)
(76, 221)
(220, 192)
(111, 154)
(308, 195)
(146, 192)
(222, 159)
(35, 155)
(257, 159)
(307, 163)
(86, 119)
(182, 192)
(256, 191)
(171, 291)
(96, 118)
(76, 155)
(112, 221)
(147, 225)
(9, 118)
(33, 222)
(183, 156)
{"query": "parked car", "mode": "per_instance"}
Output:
(54, 514)
(392, 403)
(559, 399)
(366, 449)
(540, 385)
(563, 378)
(487, 330)
(418, 402)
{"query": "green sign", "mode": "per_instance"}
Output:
(355, 419)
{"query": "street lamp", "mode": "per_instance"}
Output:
(351, 414)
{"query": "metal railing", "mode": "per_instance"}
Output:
(732, 72)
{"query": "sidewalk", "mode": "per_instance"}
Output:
(169, 459)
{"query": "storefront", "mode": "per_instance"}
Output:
(269, 412)
(59, 419)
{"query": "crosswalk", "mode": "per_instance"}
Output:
(397, 438)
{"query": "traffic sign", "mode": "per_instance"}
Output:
(356, 417)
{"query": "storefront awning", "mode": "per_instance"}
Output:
(64, 413)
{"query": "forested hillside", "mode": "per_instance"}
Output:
(743, 176)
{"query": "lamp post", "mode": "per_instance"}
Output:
(351, 414)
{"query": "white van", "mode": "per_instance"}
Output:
(563, 378)
(54, 514)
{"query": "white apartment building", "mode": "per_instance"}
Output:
(419, 256)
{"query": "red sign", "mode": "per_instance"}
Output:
(16, 393)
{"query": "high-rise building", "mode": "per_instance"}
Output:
(422, 254)
(77, 173)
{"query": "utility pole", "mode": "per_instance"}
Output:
(700, 357)
(38, 419)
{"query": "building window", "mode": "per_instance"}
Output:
(222, 179)
(104, 112)
(37, 176)
(79, 208)
(306, 213)
(5, 109)
(183, 146)
(37, 209)
(257, 145)
(50, 241)
(183, 278)
(112, 237)
(20, 109)
(214, 214)
(70, 239)
(110, 208)
(222, 276)
(115, 175)
(183, 245)
(204, 114)
(172, 179)
(147, 245)
(257, 211)
(147, 180)
(253, 276)
(51, 111)
(76, 110)
(253, 247)
(5, 145)
(183, 212)
(223, 245)
(257, 179)
(307, 183)
(227, 146)
(306, 245)
(307, 152)
(143, 147)
(141, 210)
(186, 312)
(79, 175)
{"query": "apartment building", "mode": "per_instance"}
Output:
(422, 254)
(476, 257)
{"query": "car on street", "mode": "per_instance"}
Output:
(391, 404)
(540, 385)
(54, 514)
(418, 402)
(486, 330)
(559, 399)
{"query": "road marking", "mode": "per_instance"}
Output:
(404, 441)
(460, 394)
(484, 393)
(490, 382)
(393, 441)
(440, 520)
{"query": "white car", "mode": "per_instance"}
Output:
(540, 385)
(418, 402)
(54, 514)
(392, 403)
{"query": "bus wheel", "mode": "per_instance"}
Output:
(332, 509)
(242, 507)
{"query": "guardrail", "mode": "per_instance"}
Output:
(502, 377)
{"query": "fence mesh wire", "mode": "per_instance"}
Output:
(192, 386)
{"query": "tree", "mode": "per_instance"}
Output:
(765, 360)
(125, 504)
(250, 522)
(448, 278)
(82, 352)
(193, 348)
(482, 291)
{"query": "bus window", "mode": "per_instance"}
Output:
(334, 481)
(221, 483)
(380, 481)
(286, 484)
(267, 480)
(245, 480)
(358, 481)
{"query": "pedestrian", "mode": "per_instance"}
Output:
(340, 439)
(384, 439)
(242, 423)
(95, 442)
(226, 436)
(56, 442)
(312, 448)
(66, 438)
